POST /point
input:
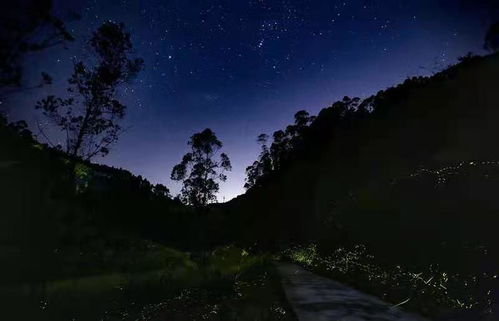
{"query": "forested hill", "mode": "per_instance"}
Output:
(410, 174)
(43, 209)
(412, 165)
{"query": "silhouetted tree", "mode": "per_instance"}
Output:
(91, 125)
(160, 190)
(26, 26)
(261, 167)
(283, 148)
(286, 142)
(199, 172)
(492, 38)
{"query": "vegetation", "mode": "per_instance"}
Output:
(22, 32)
(411, 173)
(91, 126)
(86, 255)
(492, 38)
(432, 291)
(408, 172)
(198, 171)
(274, 158)
(160, 283)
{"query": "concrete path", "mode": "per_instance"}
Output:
(315, 298)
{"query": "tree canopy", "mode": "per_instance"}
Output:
(90, 117)
(273, 158)
(26, 26)
(492, 38)
(199, 172)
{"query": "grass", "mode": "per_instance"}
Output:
(432, 292)
(225, 284)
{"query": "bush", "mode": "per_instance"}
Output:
(432, 291)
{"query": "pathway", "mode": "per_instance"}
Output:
(316, 298)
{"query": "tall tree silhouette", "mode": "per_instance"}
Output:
(283, 148)
(90, 117)
(26, 26)
(261, 167)
(199, 172)
(492, 38)
(160, 190)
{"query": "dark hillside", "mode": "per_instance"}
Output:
(395, 195)
(50, 224)
(353, 176)
(100, 247)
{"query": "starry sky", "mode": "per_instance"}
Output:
(244, 67)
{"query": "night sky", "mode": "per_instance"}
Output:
(244, 67)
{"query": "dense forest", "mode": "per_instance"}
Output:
(418, 192)
(421, 139)
(394, 194)
(410, 173)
